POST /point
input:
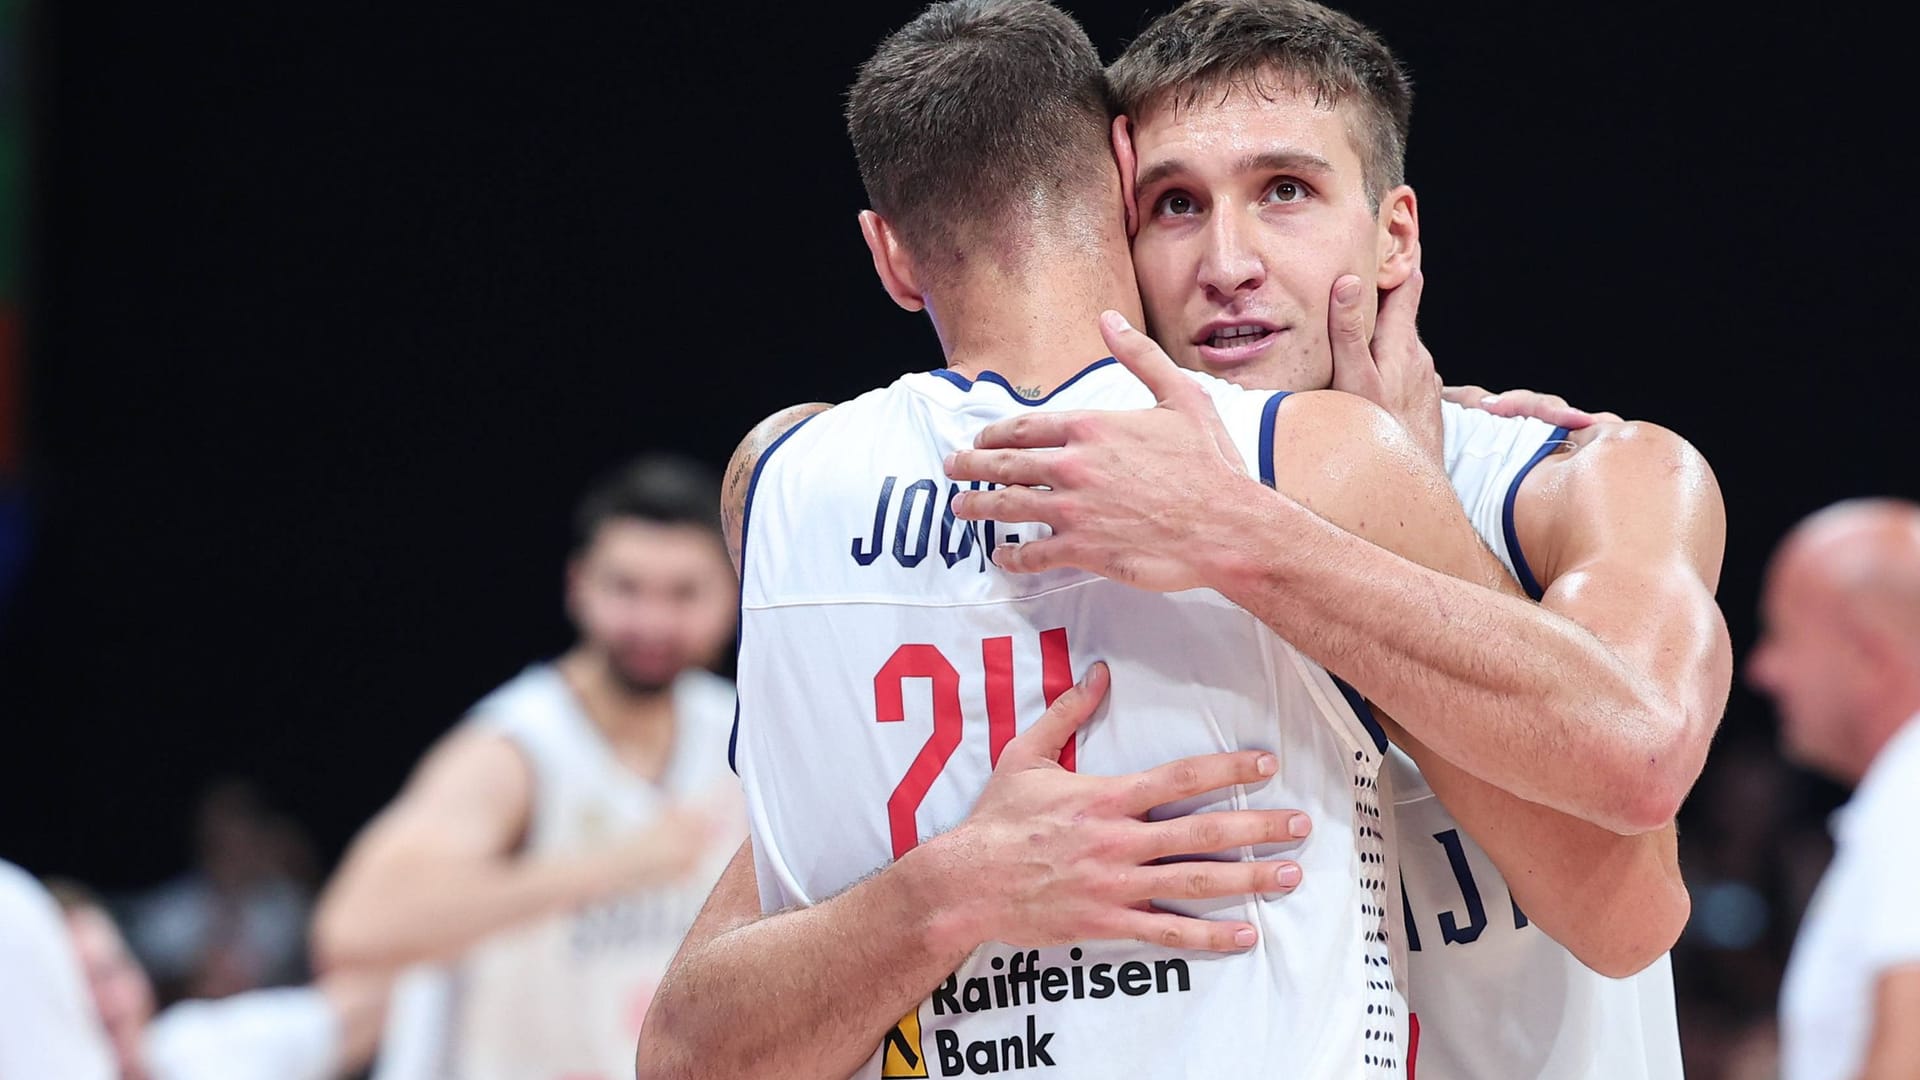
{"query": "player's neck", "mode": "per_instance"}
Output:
(1038, 325)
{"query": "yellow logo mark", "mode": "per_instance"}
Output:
(902, 1055)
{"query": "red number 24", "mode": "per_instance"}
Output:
(927, 662)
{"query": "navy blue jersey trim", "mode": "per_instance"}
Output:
(1520, 568)
(740, 627)
(1362, 710)
(1268, 415)
(995, 378)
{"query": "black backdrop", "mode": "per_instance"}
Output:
(335, 310)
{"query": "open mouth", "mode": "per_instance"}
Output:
(1224, 344)
(1231, 336)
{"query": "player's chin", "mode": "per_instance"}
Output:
(650, 676)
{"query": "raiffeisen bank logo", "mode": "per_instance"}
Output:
(1020, 981)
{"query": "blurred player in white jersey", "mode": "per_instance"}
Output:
(316, 1032)
(48, 1026)
(1263, 142)
(1027, 935)
(1841, 659)
(546, 857)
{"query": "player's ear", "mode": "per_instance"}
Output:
(1129, 162)
(1399, 237)
(892, 261)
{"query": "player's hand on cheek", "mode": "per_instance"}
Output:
(1052, 856)
(1393, 369)
(1551, 408)
(1125, 494)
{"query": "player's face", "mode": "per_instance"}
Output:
(653, 600)
(122, 993)
(1804, 664)
(1249, 209)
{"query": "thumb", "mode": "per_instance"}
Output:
(1141, 355)
(1354, 369)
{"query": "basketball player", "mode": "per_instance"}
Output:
(1840, 656)
(47, 1025)
(1011, 270)
(549, 853)
(326, 1029)
(1264, 149)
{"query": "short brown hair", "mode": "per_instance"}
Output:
(658, 488)
(1220, 45)
(963, 114)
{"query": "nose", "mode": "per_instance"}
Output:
(1231, 264)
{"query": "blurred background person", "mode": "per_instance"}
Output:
(48, 1027)
(315, 1032)
(1840, 656)
(549, 854)
(237, 920)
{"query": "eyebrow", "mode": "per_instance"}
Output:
(1264, 161)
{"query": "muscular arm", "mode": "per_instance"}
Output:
(437, 871)
(839, 974)
(1894, 1049)
(1615, 901)
(1599, 702)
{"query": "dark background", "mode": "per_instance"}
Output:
(334, 311)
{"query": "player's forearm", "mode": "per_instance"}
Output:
(1617, 903)
(418, 909)
(1516, 695)
(815, 989)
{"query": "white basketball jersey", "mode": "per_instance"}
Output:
(885, 661)
(1492, 995)
(563, 999)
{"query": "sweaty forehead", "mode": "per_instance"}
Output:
(1225, 127)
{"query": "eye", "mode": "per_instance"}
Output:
(1174, 203)
(1287, 191)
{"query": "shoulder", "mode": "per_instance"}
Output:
(474, 773)
(1325, 439)
(733, 494)
(1605, 452)
(1627, 485)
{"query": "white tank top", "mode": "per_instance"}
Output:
(563, 999)
(884, 661)
(1493, 996)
